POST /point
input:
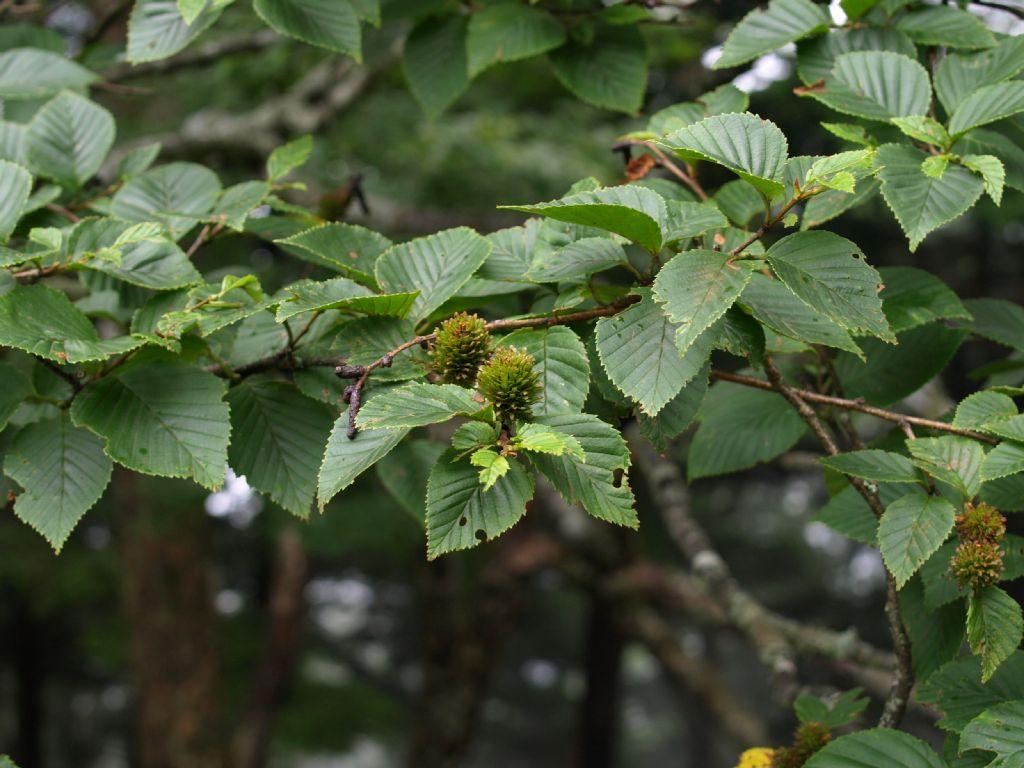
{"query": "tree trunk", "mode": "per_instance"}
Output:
(168, 604)
(286, 608)
(599, 711)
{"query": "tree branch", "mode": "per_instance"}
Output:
(778, 640)
(858, 406)
(899, 694)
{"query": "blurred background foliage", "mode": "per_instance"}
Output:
(360, 684)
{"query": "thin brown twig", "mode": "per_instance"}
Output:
(354, 392)
(899, 693)
(669, 165)
(858, 406)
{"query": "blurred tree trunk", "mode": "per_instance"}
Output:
(29, 682)
(598, 740)
(286, 608)
(173, 632)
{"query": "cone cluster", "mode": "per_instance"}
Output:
(463, 353)
(978, 560)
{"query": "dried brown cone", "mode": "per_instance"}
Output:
(461, 345)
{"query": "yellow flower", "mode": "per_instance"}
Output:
(758, 757)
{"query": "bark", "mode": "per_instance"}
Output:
(173, 634)
(286, 608)
(599, 710)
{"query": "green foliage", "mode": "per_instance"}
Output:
(653, 302)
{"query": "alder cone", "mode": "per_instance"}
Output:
(461, 345)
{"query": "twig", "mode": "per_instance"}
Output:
(195, 57)
(903, 681)
(771, 221)
(1006, 7)
(353, 394)
(70, 216)
(667, 163)
(858, 406)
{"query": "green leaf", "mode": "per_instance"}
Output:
(912, 297)
(752, 148)
(935, 636)
(434, 61)
(988, 142)
(636, 213)
(778, 308)
(510, 32)
(741, 427)
(157, 30)
(330, 24)
(190, 9)
(493, 466)
(165, 418)
(764, 30)
(540, 438)
(677, 415)
(910, 531)
(1005, 493)
(577, 260)
(829, 274)
(404, 473)
(992, 172)
(561, 361)
(994, 628)
(999, 729)
(237, 202)
(177, 195)
(63, 471)
(608, 69)
(346, 248)
(42, 321)
(17, 387)
(923, 128)
(598, 482)
(951, 459)
(815, 58)
(696, 288)
(68, 139)
(436, 266)
(919, 202)
(873, 464)
(15, 185)
(960, 74)
(461, 514)
(987, 105)
(341, 293)
(878, 748)
(945, 25)
(957, 691)
(983, 408)
(32, 73)
(876, 85)
(638, 351)
(1005, 459)
(416, 405)
(833, 203)
(999, 320)
(278, 437)
(288, 157)
(842, 710)
(156, 264)
(138, 160)
(344, 460)
(687, 219)
(892, 372)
